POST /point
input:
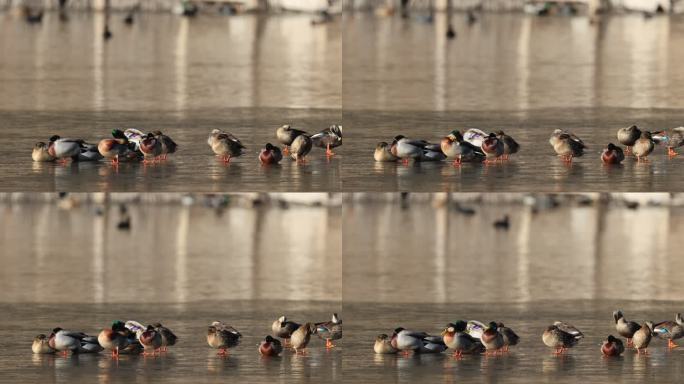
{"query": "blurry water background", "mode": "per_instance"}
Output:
(246, 74)
(242, 261)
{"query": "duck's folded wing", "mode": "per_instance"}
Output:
(569, 329)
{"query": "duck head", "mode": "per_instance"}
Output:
(269, 339)
(611, 339)
(157, 133)
(617, 315)
(460, 326)
(398, 330)
(398, 137)
(118, 325)
(450, 329)
(646, 135)
(211, 330)
(54, 138)
(492, 325)
(118, 134)
(40, 145)
(268, 147)
(678, 319)
(648, 325)
(381, 337)
(381, 145)
(336, 319)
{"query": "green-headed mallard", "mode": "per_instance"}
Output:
(643, 146)
(330, 330)
(270, 154)
(612, 154)
(383, 345)
(300, 147)
(301, 336)
(455, 147)
(286, 135)
(670, 330)
(169, 339)
(40, 153)
(612, 347)
(628, 136)
(115, 338)
(561, 336)
(625, 328)
(642, 337)
(221, 336)
(382, 153)
(116, 147)
(567, 145)
(328, 138)
(225, 145)
(456, 338)
(270, 346)
(151, 340)
(41, 345)
(511, 146)
(168, 146)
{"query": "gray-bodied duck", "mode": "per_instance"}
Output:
(286, 135)
(328, 138)
(283, 328)
(673, 138)
(642, 337)
(561, 336)
(456, 338)
(670, 330)
(330, 330)
(405, 340)
(567, 145)
(628, 136)
(625, 328)
(301, 336)
(222, 337)
(63, 148)
(300, 147)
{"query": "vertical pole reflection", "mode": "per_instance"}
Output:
(182, 234)
(442, 231)
(441, 65)
(523, 67)
(523, 252)
(98, 59)
(181, 64)
(42, 243)
(99, 236)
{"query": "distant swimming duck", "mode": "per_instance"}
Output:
(301, 146)
(169, 339)
(168, 146)
(41, 345)
(151, 147)
(456, 338)
(642, 337)
(270, 346)
(330, 330)
(628, 136)
(382, 153)
(286, 135)
(492, 147)
(670, 330)
(301, 336)
(612, 154)
(455, 147)
(222, 337)
(270, 154)
(625, 328)
(383, 345)
(643, 146)
(151, 340)
(225, 145)
(567, 145)
(674, 138)
(503, 223)
(561, 336)
(328, 138)
(114, 338)
(612, 347)
(491, 339)
(511, 146)
(40, 153)
(510, 338)
(283, 328)
(116, 147)
(62, 148)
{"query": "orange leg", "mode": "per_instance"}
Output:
(630, 343)
(286, 150)
(328, 152)
(65, 353)
(223, 352)
(671, 344)
(628, 150)
(458, 162)
(329, 344)
(671, 152)
(405, 161)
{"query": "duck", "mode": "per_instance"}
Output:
(41, 345)
(89, 344)
(63, 148)
(670, 330)
(561, 336)
(511, 146)
(642, 337)
(114, 338)
(492, 147)
(612, 154)
(510, 338)
(151, 148)
(405, 340)
(673, 138)
(301, 336)
(222, 337)
(283, 328)
(432, 344)
(64, 341)
(328, 138)
(475, 136)
(567, 145)
(286, 135)
(455, 147)
(270, 154)
(628, 136)
(330, 330)
(134, 136)
(40, 153)
(456, 338)
(503, 223)
(491, 339)
(406, 149)
(383, 153)
(151, 340)
(625, 328)
(89, 152)
(169, 339)
(225, 145)
(431, 154)
(168, 146)
(116, 147)
(270, 347)
(612, 347)
(301, 146)
(643, 146)
(383, 345)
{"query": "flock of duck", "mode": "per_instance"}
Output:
(476, 146)
(474, 337)
(132, 145)
(134, 338)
